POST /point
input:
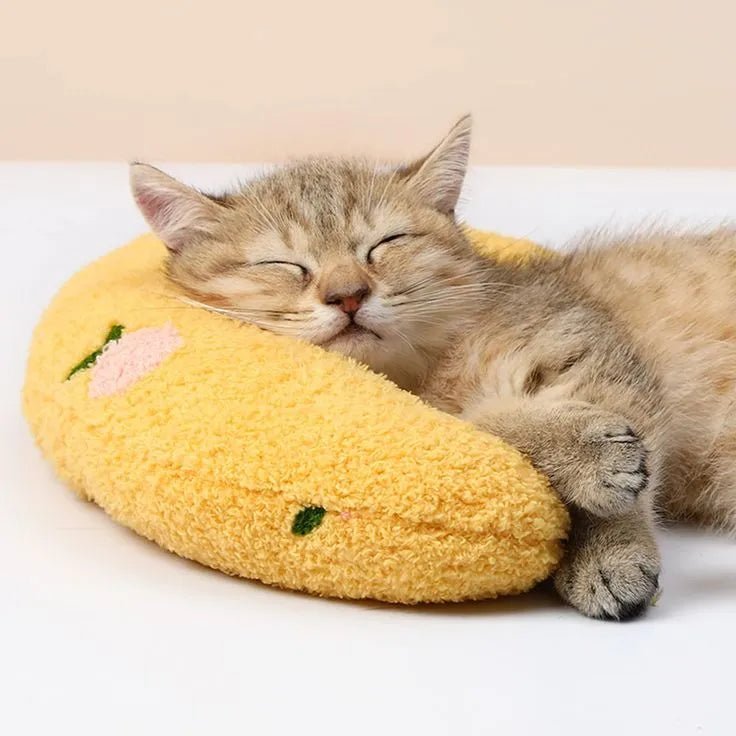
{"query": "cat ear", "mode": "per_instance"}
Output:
(175, 212)
(438, 177)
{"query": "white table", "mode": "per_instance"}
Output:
(102, 632)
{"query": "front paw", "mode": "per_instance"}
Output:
(611, 471)
(609, 578)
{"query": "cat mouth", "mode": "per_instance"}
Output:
(352, 332)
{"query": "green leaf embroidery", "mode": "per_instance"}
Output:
(116, 332)
(307, 520)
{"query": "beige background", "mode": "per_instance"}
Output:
(549, 81)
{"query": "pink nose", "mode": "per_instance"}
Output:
(349, 303)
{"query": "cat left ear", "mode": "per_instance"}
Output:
(175, 212)
(439, 176)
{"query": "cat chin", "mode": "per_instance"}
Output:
(359, 345)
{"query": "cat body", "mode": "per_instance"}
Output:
(611, 366)
(629, 344)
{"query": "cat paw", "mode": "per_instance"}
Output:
(610, 582)
(616, 471)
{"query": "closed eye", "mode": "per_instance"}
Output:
(303, 271)
(384, 241)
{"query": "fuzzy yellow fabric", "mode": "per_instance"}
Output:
(216, 453)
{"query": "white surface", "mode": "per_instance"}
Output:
(101, 632)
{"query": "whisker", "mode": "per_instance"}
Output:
(396, 331)
(156, 309)
(267, 216)
(244, 311)
(433, 280)
(372, 183)
(422, 318)
(441, 297)
(436, 296)
(448, 290)
(389, 182)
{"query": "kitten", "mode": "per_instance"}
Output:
(613, 367)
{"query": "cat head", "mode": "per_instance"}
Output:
(364, 260)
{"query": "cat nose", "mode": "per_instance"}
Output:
(349, 303)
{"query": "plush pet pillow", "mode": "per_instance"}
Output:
(269, 458)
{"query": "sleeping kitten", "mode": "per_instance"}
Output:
(612, 367)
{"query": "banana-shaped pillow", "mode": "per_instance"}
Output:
(269, 458)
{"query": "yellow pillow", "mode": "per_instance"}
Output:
(269, 458)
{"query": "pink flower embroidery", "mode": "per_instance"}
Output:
(133, 356)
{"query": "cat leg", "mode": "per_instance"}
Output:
(594, 458)
(603, 471)
(611, 566)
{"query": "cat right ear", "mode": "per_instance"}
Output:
(438, 177)
(175, 212)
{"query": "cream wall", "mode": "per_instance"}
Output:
(549, 81)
